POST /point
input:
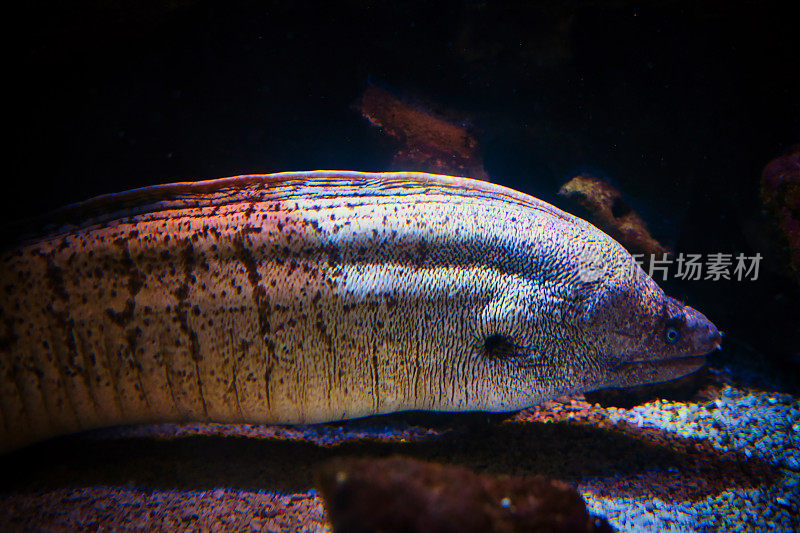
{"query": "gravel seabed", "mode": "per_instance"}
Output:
(728, 459)
(755, 424)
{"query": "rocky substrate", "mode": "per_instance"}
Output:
(726, 459)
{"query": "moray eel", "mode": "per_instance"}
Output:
(307, 297)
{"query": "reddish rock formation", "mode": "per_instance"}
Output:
(400, 494)
(613, 215)
(430, 143)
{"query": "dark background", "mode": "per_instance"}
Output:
(679, 104)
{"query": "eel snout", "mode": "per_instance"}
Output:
(703, 335)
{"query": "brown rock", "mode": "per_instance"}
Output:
(430, 143)
(400, 494)
(611, 213)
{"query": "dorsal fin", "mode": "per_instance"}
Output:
(255, 187)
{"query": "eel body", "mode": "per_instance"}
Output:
(318, 296)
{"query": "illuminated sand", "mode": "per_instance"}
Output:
(727, 459)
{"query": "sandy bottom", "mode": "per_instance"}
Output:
(728, 459)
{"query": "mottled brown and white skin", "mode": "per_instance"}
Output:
(316, 296)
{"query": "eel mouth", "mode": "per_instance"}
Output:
(632, 374)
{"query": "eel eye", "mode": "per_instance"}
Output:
(672, 334)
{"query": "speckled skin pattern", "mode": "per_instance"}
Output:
(317, 296)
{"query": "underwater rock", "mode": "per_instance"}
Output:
(430, 143)
(780, 196)
(612, 214)
(400, 494)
